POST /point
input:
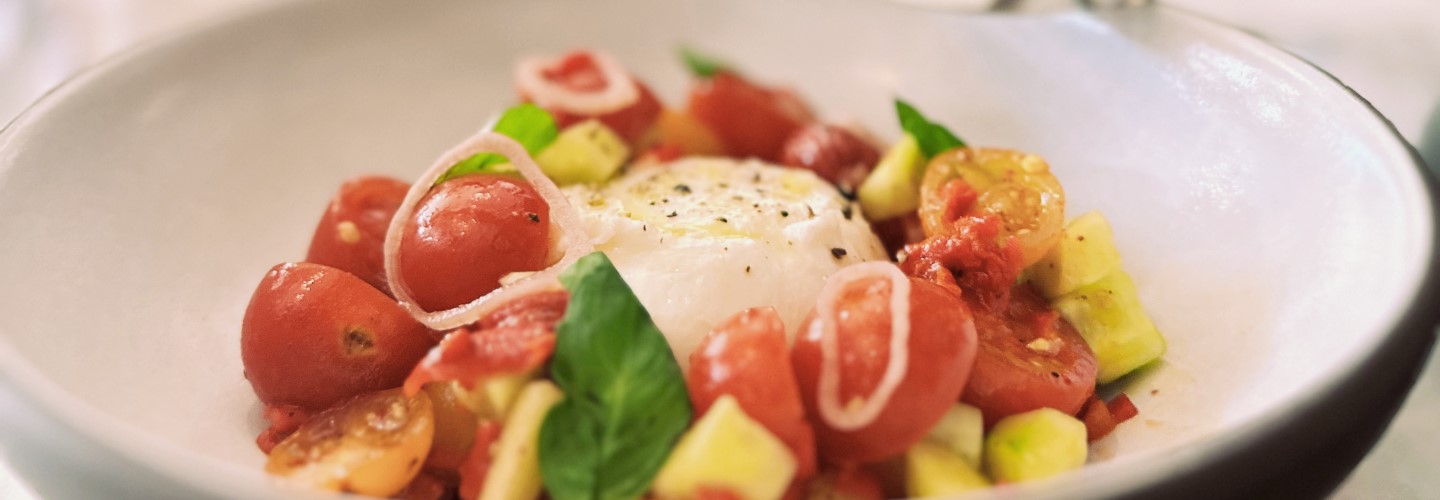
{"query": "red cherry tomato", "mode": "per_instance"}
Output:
(942, 348)
(747, 358)
(516, 338)
(578, 71)
(833, 153)
(1029, 358)
(351, 233)
(467, 234)
(749, 119)
(315, 335)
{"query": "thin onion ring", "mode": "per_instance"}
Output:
(572, 243)
(620, 89)
(828, 393)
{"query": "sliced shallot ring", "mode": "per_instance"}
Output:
(572, 242)
(620, 90)
(836, 413)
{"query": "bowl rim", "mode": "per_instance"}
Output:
(1410, 334)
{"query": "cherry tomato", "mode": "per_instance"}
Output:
(1029, 358)
(1014, 186)
(747, 358)
(833, 153)
(579, 72)
(687, 136)
(516, 338)
(750, 120)
(427, 485)
(315, 335)
(351, 233)
(469, 232)
(942, 348)
(371, 445)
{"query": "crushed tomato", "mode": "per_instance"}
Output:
(477, 463)
(516, 338)
(974, 258)
(1101, 417)
(284, 421)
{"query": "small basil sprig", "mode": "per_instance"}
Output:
(932, 137)
(625, 400)
(702, 65)
(528, 124)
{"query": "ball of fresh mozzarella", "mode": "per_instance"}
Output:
(701, 239)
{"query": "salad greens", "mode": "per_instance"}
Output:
(702, 65)
(528, 124)
(625, 398)
(933, 137)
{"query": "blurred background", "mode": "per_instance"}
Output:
(1388, 51)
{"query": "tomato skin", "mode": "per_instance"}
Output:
(315, 335)
(833, 153)
(1101, 418)
(1012, 375)
(747, 358)
(476, 467)
(351, 233)
(284, 420)
(942, 348)
(517, 337)
(469, 232)
(749, 119)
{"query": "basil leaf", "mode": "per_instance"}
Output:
(702, 65)
(625, 400)
(528, 124)
(932, 137)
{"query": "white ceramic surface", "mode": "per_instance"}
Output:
(1276, 228)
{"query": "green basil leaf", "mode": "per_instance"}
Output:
(932, 137)
(528, 124)
(625, 400)
(702, 65)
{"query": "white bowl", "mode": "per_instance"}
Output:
(1281, 234)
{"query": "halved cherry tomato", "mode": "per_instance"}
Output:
(1014, 186)
(516, 338)
(351, 233)
(371, 445)
(1029, 358)
(747, 358)
(468, 233)
(833, 153)
(749, 119)
(315, 335)
(942, 348)
(579, 72)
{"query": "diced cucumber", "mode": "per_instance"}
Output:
(893, 188)
(1109, 315)
(729, 450)
(1085, 253)
(515, 472)
(933, 470)
(586, 152)
(962, 431)
(1034, 445)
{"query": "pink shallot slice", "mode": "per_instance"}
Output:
(619, 92)
(842, 415)
(569, 246)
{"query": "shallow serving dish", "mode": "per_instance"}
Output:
(1280, 232)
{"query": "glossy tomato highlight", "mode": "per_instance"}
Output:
(315, 335)
(942, 348)
(468, 233)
